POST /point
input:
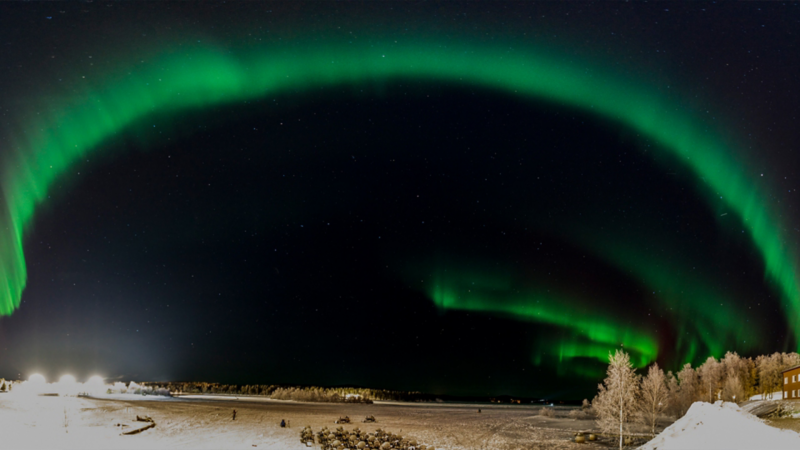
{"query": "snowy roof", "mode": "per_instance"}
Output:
(791, 368)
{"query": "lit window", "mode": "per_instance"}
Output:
(794, 378)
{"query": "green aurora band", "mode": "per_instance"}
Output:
(62, 131)
(588, 331)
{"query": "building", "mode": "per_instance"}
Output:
(791, 383)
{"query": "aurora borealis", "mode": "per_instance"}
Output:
(592, 333)
(666, 296)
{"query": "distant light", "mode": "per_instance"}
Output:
(66, 379)
(96, 380)
(37, 379)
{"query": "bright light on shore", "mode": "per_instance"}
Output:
(37, 379)
(95, 386)
(67, 385)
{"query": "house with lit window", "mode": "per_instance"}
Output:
(791, 383)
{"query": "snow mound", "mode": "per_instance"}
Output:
(722, 426)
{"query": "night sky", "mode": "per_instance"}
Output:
(454, 198)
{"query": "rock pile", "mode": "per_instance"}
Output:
(307, 436)
(341, 439)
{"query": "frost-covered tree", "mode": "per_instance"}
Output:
(710, 373)
(734, 366)
(654, 398)
(769, 373)
(732, 390)
(790, 360)
(689, 388)
(615, 404)
(674, 392)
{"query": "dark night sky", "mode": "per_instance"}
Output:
(289, 239)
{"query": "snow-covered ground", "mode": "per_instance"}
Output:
(32, 421)
(722, 426)
(777, 395)
(55, 422)
(68, 422)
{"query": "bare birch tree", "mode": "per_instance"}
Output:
(616, 402)
(654, 398)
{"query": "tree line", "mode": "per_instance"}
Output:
(626, 397)
(298, 393)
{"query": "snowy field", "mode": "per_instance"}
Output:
(205, 422)
(36, 422)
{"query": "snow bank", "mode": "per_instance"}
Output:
(722, 426)
(777, 395)
(134, 390)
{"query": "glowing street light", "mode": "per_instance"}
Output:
(66, 385)
(36, 379)
(95, 385)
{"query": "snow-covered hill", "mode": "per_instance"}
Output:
(722, 426)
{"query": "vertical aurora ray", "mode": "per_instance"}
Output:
(189, 79)
(706, 324)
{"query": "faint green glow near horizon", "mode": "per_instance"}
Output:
(186, 79)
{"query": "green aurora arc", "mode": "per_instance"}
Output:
(57, 136)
